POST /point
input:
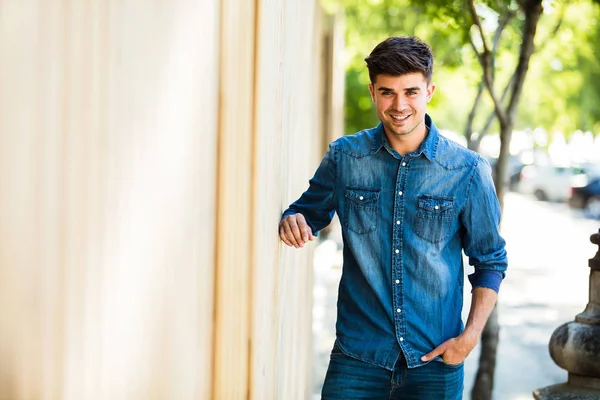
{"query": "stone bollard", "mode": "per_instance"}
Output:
(575, 346)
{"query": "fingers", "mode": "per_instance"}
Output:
(305, 231)
(285, 233)
(294, 231)
(438, 351)
(450, 353)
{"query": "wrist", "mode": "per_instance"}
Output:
(469, 338)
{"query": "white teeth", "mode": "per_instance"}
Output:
(400, 117)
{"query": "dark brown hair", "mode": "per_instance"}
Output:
(399, 55)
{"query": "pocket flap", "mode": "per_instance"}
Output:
(362, 196)
(435, 204)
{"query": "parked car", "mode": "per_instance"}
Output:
(549, 182)
(587, 198)
(515, 166)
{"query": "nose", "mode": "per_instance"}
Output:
(400, 103)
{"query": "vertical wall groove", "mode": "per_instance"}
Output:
(253, 200)
(234, 198)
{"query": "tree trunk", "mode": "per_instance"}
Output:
(473, 143)
(501, 181)
(484, 381)
(532, 9)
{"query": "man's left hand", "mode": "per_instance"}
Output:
(453, 351)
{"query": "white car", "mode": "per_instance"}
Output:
(549, 182)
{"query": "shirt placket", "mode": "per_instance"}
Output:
(397, 256)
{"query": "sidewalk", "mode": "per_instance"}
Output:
(546, 285)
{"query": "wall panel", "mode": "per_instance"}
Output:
(287, 149)
(234, 216)
(108, 148)
(147, 149)
(301, 151)
(267, 188)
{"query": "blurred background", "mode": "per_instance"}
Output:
(148, 148)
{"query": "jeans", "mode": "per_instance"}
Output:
(348, 378)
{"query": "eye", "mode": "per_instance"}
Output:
(386, 93)
(411, 93)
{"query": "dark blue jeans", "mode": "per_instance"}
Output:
(348, 378)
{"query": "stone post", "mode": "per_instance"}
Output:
(575, 346)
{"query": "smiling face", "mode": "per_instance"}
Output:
(401, 103)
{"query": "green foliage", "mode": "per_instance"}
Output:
(562, 89)
(360, 113)
(370, 22)
(564, 85)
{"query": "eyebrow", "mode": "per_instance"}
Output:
(385, 89)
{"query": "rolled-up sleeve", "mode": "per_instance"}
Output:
(317, 203)
(482, 242)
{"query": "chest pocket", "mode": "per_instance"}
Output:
(362, 209)
(434, 217)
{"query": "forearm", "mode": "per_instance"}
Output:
(482, 303)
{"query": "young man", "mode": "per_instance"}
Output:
(409, 201)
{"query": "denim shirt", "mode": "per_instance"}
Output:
(405, 222)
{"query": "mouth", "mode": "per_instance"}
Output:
(400, 118)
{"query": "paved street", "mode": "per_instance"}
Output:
(546, 285)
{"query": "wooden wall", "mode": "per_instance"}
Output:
(147, 149)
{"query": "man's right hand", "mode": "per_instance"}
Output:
(294, 231)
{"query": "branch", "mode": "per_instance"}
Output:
(471, 118)
(503, 22)
(485, 59)
(553, 32)
(477, 23)
(533, 10)
(492, 114)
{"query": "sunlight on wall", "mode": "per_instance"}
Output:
(147, 149)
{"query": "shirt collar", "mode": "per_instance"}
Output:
(379, 139)
(428, 147)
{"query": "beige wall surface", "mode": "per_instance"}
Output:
(147, 149)
(287, 149)
(108, 128)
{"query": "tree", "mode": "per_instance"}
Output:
(529, 13)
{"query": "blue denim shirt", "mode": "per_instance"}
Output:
(405, 221)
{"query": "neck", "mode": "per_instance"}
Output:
(408, 143)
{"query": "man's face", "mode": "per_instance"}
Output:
(401, 102)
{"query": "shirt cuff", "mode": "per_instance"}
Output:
(288, 212)
(486, 278)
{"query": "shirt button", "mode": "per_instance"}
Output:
(402, 339)
(400, 193)
(404, 164)
(398, 281)
(397, 251)
(361, 198)
(398, 310)
(397, 222)
(436, 207)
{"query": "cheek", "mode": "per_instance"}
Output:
(382, 107)
(419, 104)
(382, 104)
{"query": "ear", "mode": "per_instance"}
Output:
(430, 90)
(372, 90)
